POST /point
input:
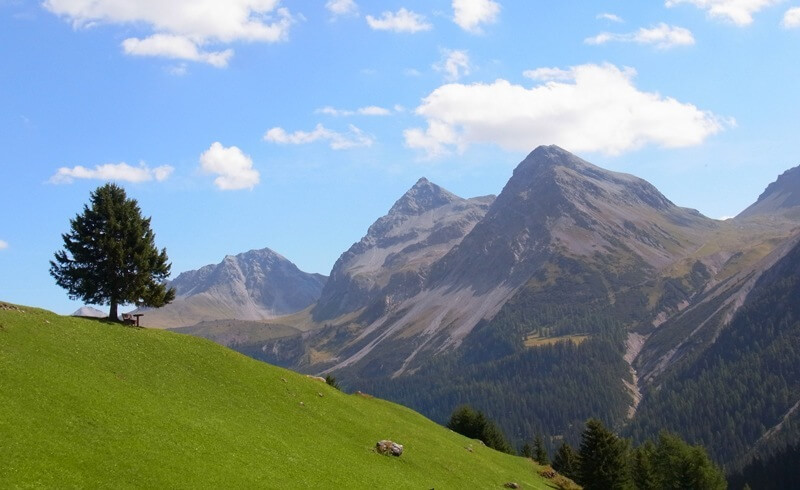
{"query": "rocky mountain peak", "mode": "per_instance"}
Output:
(264, 256)
(252, 285)
(556, 201)
(393, 258)
(552, 155)
(422, 197)
(570, 179)
(779, 196)
(90, 312)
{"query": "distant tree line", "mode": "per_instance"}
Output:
(606, 461)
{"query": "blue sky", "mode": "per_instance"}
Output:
(242, 124)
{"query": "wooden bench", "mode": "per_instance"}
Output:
(131, 319)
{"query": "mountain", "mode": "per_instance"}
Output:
(391, 262)
(739, 393)
(780, 197)
(87, 403)
(555, 208)
(578, 292)
(88, 311)
(254, 285)
(557, 202)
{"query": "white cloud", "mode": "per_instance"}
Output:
(178, 70)
(585, 108)
(791, 19)
(3, 244)
(548, 74)
(610, 17)
(162, 173)
(112, 171)
(454, 64)
(371, 110)
(663, 36)
(401, 21)
(332, 111)
(342, 7)
(180, 28)
(234, 169)
(436, 140)
(740, 12)
(470, 14)
(175, 47)
(338, 141)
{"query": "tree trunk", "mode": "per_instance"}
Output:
(112, 314)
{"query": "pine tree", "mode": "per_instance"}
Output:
(643, 471)
(539, 451)
(475, 425)
(463, 420)
(526, 451)
(566, 461)
(110, 257)
(603, 458)
(493, 436)
(680, 465)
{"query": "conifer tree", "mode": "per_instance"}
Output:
(110, 257)
(680, 465)
(526, 451)
(463, 420)
(603, 459)
(643, 471)
(566, 461)
(539, 451)
(475, 425)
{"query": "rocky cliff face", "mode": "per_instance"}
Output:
(254, 285)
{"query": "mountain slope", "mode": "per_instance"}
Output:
(89, 404)
(253, 285)
(746, 380)
(780, 197)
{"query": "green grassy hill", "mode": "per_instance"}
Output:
(84, 403)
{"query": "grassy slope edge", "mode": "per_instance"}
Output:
(85, 404)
